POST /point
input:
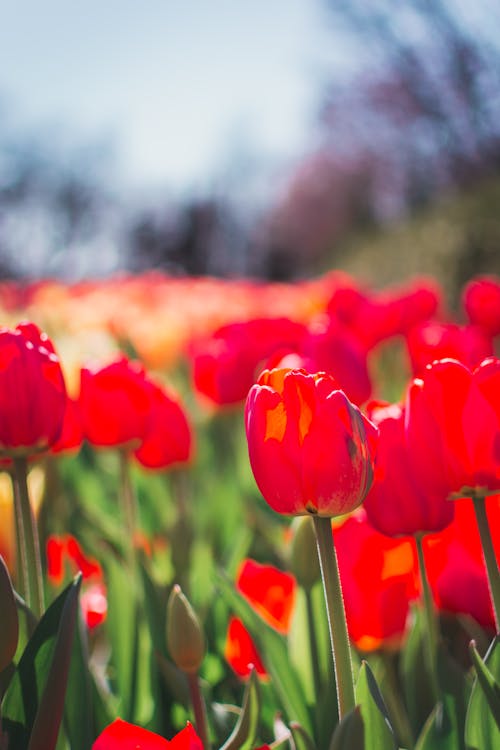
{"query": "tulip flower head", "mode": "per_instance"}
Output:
(167, 439)
(481, 300)
(397, 504)
(121, 735)
(310, 449)
(115, 404)
(455, 563)
(32, 391)
(453, 427)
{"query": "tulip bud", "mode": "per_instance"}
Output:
(9, 621)
(185, 638)
(304, 562)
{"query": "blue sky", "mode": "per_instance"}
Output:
(176, 86)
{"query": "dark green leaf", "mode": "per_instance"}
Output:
(33, 705)
(377, 728)
(301, 739)
(244, 733)
(441, 731)
(487, 683)
(481, 728)
(79, 720)
(349, 733)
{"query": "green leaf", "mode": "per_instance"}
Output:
(378, 732)
(273, 648)
(301, 739)
(349, 733)
(445, 726)
(33, 706)
(132, 662)
(244, 733)
(487, 683)
(417, 683)
(481, 727)
(78, 714)
(441, 730)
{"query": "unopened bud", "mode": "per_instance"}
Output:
(9, 621)
(185, 638)
(304, 562)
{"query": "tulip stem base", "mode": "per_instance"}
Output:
(28, 544)
(430, 617)
(489, 555)
(199, 709)
(336, 615)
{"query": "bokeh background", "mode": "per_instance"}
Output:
(266, 139)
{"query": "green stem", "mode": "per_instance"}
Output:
(488, 554)
(313, 645)
(199, 709)
(430, 617)
(128, 501)
(27, 537)
(336, 615)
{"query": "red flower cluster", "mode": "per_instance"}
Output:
(373, 318)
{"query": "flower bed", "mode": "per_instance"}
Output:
(241, 515)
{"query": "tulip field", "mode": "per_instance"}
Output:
(249, 515)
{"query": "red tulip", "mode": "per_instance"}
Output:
(271, 592)
(32, 391)
(62, 549)
(226, 365)
(70, 439)
(332, 349)
(455, 563)
(115, 404)
(241, 652)
(397, 505)
(374, 318)
(481, 300)
(379, 578)
(453, 427)
(167, 439)
(120, 735)
(310, 449)
(65, 552)
(431, 341)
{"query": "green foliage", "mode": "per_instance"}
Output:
(482, 728)
(32, 708)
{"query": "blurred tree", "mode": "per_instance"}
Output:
(57, 215)
(424, 97)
